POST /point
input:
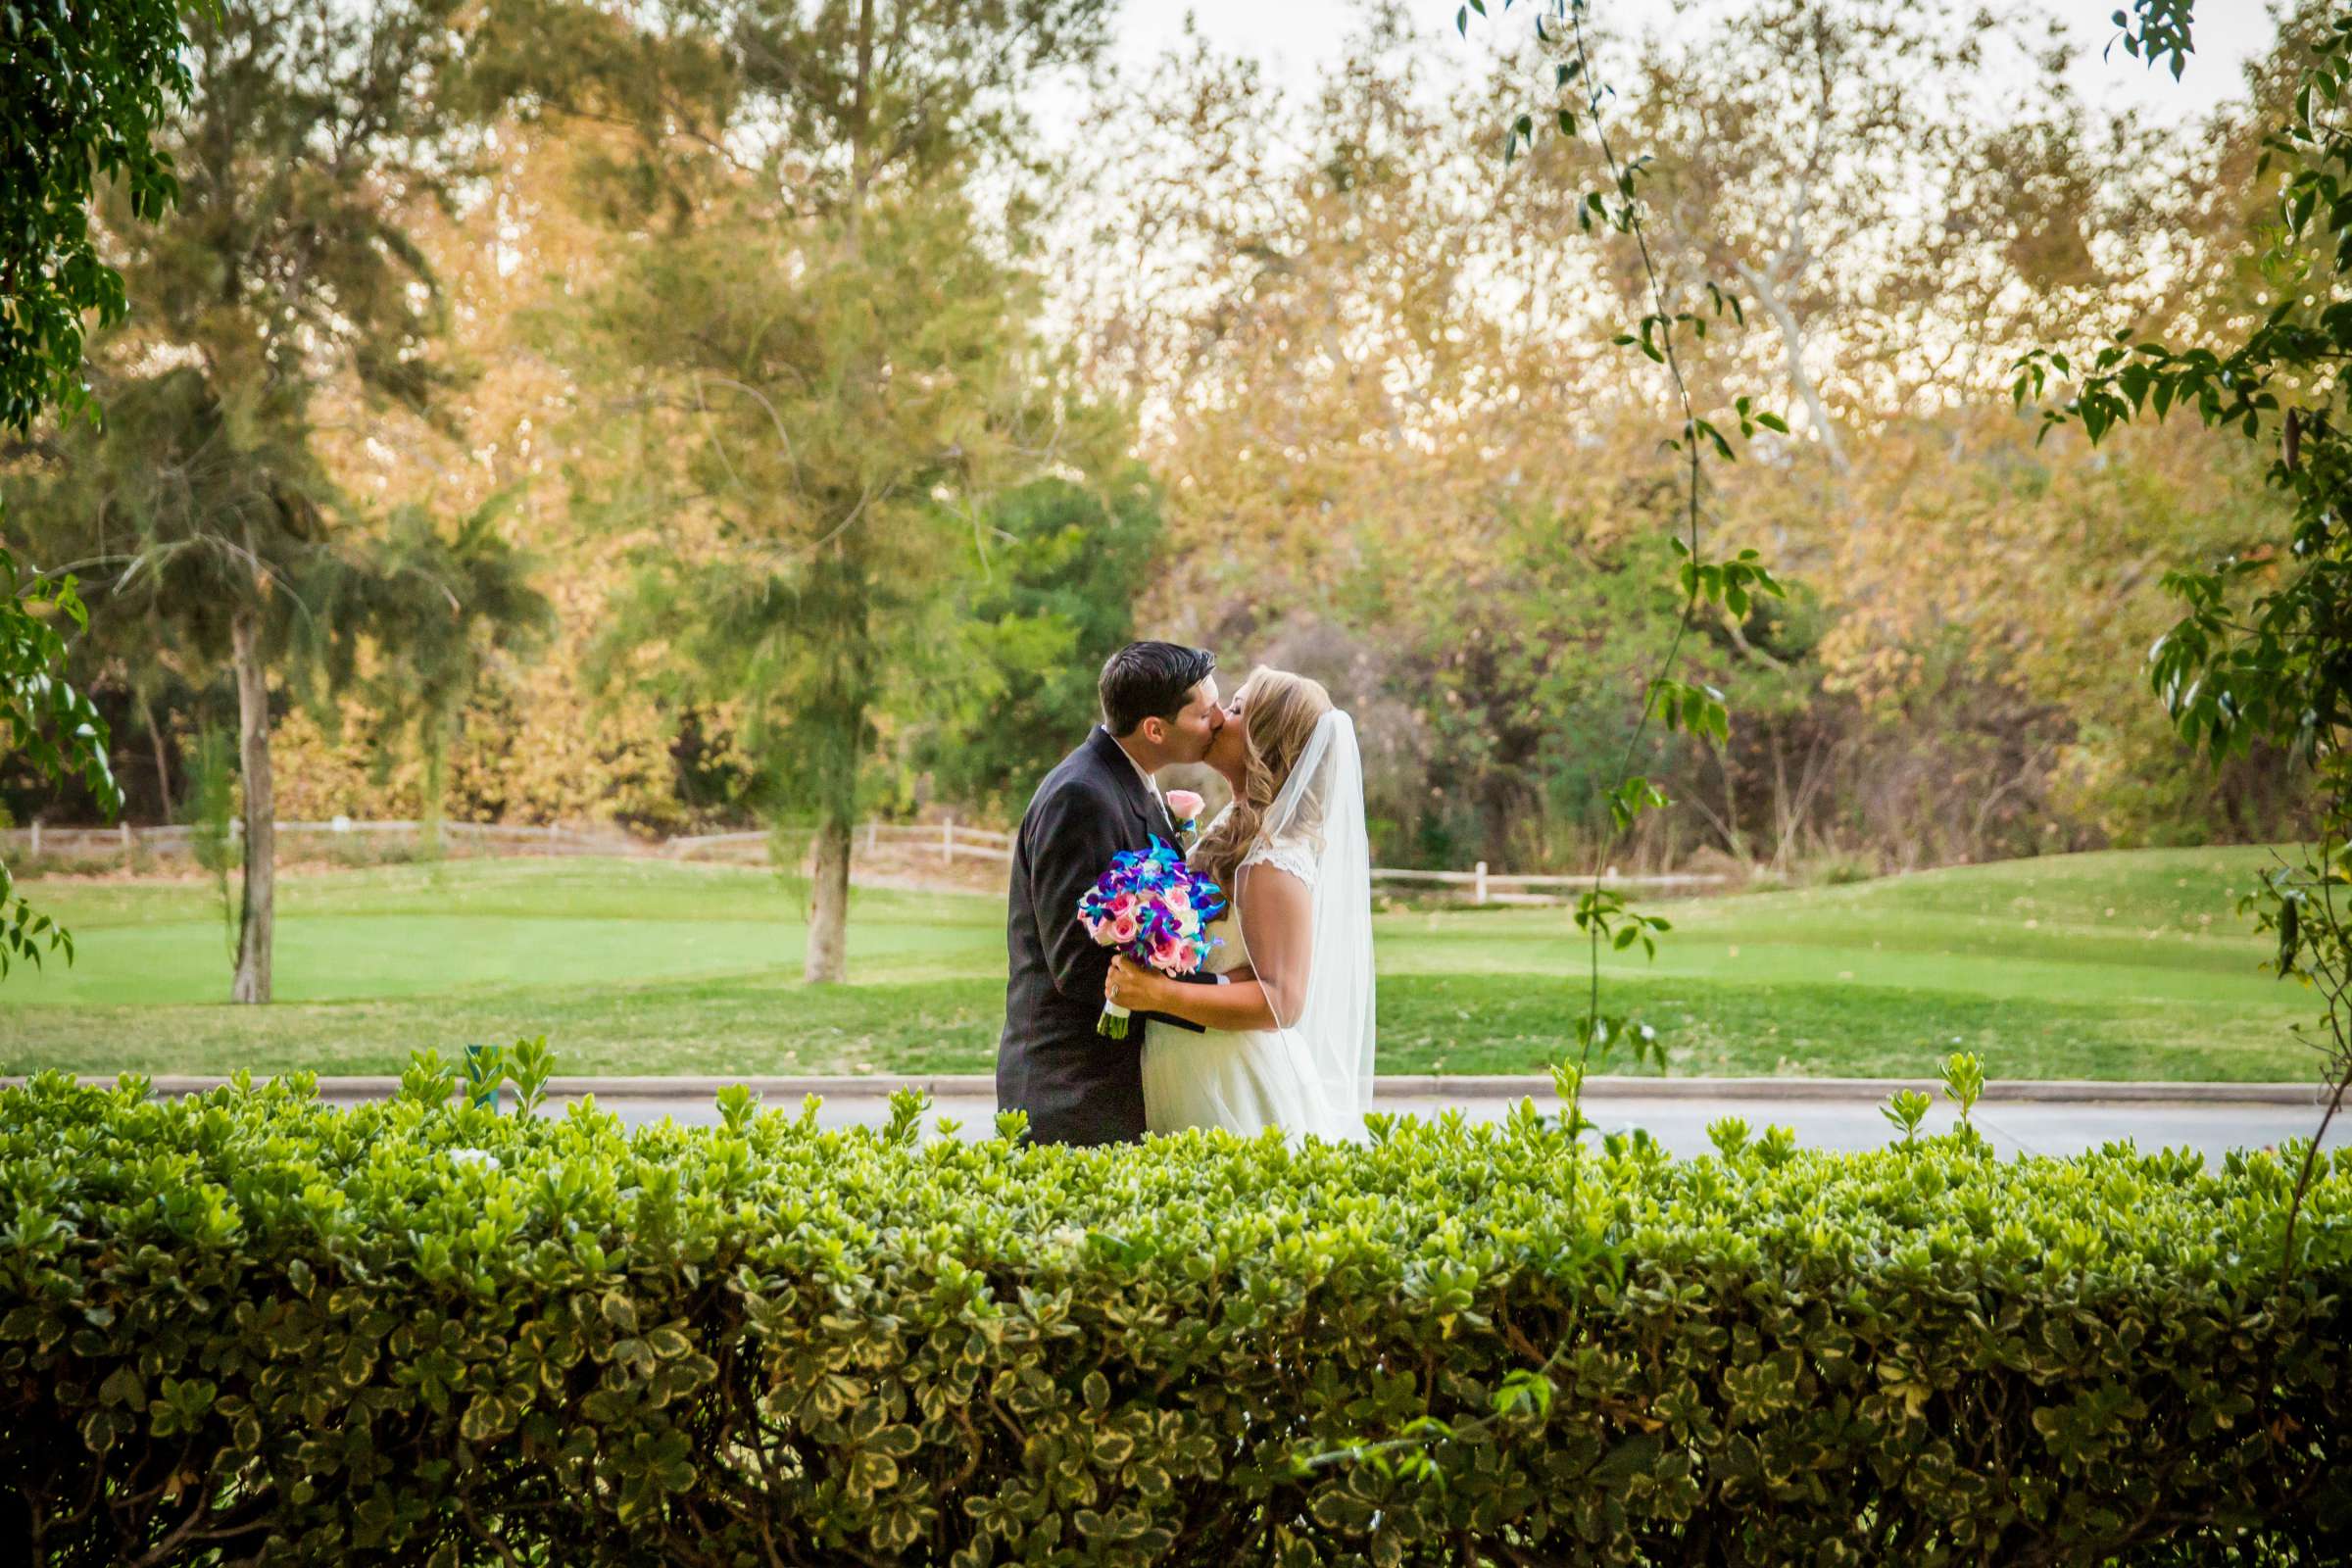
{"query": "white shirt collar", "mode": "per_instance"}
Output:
(1150, 785)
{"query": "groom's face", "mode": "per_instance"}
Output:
(1197, 724)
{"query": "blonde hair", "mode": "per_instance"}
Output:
(1279, 713)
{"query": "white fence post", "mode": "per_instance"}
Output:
(125, 826)
(36, 837)
(947, 841)
(1478, 888)
(872, 826)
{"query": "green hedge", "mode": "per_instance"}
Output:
(244, 1326)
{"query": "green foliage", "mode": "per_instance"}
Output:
(859, 381)
(1964, 1081)
(2232, 673)
(1905, 1110)
(442, 608)
(1052, 596)
(197, 508)
(44, 718)
(81, 92)
(2156, 30)
(48, 721)
(1528, 707)
(401, 1329)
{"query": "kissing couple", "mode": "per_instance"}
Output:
(1277, 1031)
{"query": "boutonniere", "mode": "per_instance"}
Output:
(1185, 807)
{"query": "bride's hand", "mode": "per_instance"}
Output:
(1131, 985)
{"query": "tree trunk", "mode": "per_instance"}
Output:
(163, 766)
(436, 786)
(861, 119)
(827, 961)
(257, 916)
(1792, 345)
(829, 902)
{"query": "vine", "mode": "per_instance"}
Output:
(1730, 584)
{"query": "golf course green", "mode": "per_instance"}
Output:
(2121, 965)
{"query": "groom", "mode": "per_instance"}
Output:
(1159, 708)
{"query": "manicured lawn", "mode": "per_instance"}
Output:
(2115, 965)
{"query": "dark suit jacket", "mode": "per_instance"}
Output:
(1077, 1086)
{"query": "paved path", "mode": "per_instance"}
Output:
(2019, 1117)
(1681, 1124)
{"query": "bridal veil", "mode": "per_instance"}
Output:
(1318, 979)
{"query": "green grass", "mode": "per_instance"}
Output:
(2115, 965)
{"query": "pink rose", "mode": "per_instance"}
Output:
(1121, 905)
(1178, 902)
(1172, 956)
(1185, 804)
(1122, 929)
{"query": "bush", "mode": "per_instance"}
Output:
(244, 1326)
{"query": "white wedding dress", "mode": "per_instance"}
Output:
(1310, 1075)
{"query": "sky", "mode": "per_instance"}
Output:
(1295, 38)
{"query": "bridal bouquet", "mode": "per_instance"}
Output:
(1155, 909)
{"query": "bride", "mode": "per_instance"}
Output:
(1290, 1033)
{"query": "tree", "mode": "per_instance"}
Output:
(81, 94)
(1367, 361)
(313, 132)
(440, 611)
(825, 338)
(1049, 597)
(49, 722)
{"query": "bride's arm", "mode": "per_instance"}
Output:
(1277, 911)
(1234, 1009)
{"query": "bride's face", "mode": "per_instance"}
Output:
(1228, 747)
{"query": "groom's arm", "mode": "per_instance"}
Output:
(1075, 839)
(1076, 835)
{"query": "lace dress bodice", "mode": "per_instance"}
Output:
(1285, 854)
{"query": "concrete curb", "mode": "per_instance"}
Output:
(981, 1086)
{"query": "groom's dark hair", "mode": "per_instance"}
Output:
(1150, 680)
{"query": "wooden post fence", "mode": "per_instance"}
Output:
(949, 840)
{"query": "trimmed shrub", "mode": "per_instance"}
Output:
(247, 1327)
